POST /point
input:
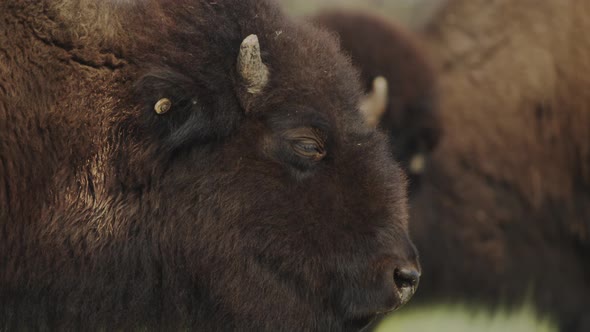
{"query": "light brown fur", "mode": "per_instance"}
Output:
(505, 208)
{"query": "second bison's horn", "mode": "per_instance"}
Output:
(373, 105)
(250, 66)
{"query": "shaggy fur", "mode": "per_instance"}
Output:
(207, 217)
(504, 211)
(378, 47)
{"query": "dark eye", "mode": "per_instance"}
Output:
(310, 148)
(300, 149)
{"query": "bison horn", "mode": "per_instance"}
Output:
(373, 105)
(417, 164)
(250, 66)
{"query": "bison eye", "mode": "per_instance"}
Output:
(309, 148)
(308, 143)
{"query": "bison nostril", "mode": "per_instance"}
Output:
(406, 281)
(405, 278)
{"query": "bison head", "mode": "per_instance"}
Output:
(234, 185)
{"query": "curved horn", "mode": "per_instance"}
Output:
(250, 66)
(373, 105)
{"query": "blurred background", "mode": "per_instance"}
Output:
(411, 13)
(456, 317)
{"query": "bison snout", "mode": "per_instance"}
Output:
(406, 281)
(389, 286)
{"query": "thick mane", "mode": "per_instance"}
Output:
(109, 45)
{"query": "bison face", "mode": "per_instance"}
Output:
(273, 200)
(244, 190)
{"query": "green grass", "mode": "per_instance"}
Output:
(458, 318)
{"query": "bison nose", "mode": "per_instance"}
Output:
(406, 280)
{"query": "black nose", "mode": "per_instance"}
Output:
(406, 281)
(406, 278)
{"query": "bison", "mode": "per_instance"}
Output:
(502, 215)
(398, 77)
(190, 164)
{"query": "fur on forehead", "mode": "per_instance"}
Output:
(202, 40)
(307, 66)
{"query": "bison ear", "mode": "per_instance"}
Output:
(176, 112)
(374, 104)
(253, 72)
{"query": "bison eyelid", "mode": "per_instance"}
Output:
(309, 148)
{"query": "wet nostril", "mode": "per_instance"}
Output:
(406, 278)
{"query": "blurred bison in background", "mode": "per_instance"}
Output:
(503, 214)
(190, 164)
(404, 105)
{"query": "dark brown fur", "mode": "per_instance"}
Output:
(114, 217)
(379, 47)
(504, 211)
